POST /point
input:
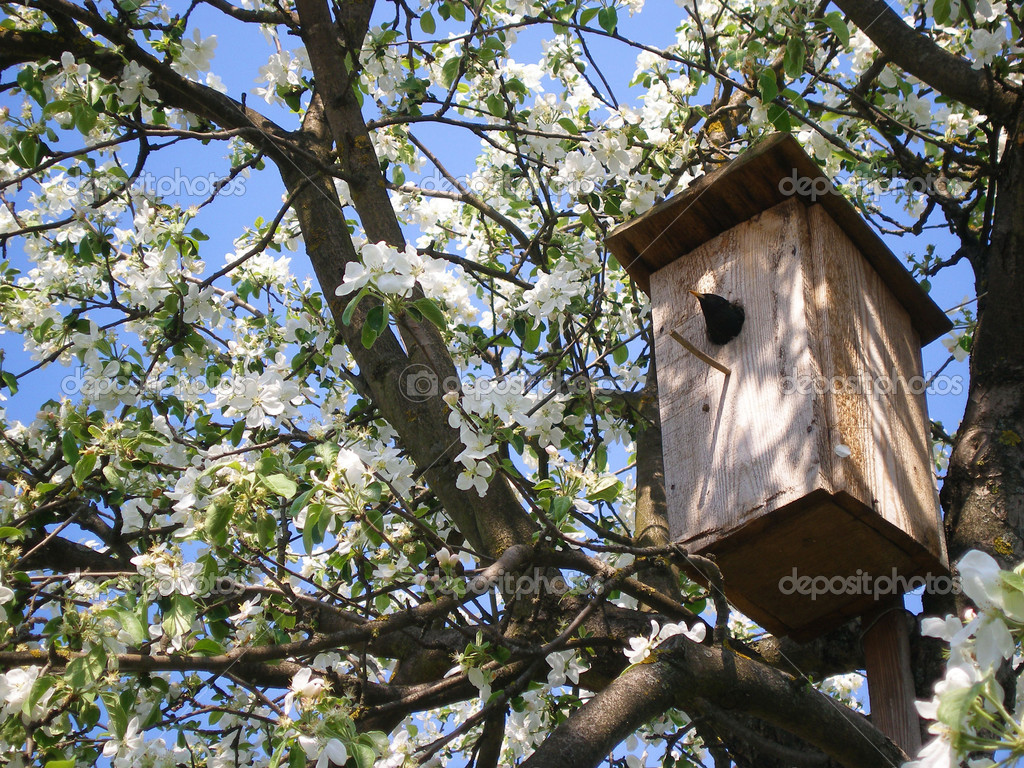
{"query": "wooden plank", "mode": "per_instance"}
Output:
(736, 447)
(874, 397)
(754, 182)
(818, 536)
(886, 644)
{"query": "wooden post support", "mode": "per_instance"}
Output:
(886, 642)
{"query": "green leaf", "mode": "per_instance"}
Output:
(779, 117)
(373, 524)
(117, 718)
(133, 625)
(1012, 580)
(608, 18)
(11, 381)
(369, 336)
(363, 755)
(31, 148)
(955, 705)
(280, 484)
(569, 126)
(450, 70)
(620, 354)
(310, 526)
(7, 532)
(207, 647)
(346, 316)
(836, 24)
(69, 445)
(378, 317)
(941, 11)
(768, 84)
(376, 322)
(218, 515)
(427, 23)
(39, 689)
(85, 118)
(275, 759)
(235, 435)
(606, 489)
(86, 669)
(29, 82)
(84, 467)
(299, 503)
(59, 764)
(429, 309)
(496, 105)
(532, 339)
(560, 506)
(793, 59)
(266, 529)
(178, 618)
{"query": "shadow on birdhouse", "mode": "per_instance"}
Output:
(799, 455)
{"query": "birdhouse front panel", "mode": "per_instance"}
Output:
(737, 446)
(809, 458)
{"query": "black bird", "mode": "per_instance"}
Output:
(724, 318)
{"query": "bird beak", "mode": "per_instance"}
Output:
(698, 295)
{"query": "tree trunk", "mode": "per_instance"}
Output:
(983, 494)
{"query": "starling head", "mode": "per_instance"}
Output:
(724, 318)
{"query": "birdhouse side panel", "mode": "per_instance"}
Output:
(737, 447)
(835, 320)
(874, 388)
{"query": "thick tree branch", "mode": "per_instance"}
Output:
(682, 674)
(499, 521)
(949, 74)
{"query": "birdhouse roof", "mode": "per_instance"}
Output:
(760, 178)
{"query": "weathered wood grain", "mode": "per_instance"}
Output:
(736, 447)
(751, 467)
(863, 332)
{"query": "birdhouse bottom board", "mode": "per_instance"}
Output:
(811, 459)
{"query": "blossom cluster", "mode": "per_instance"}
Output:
(967, 710)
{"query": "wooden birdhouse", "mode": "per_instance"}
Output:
(811, 458)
